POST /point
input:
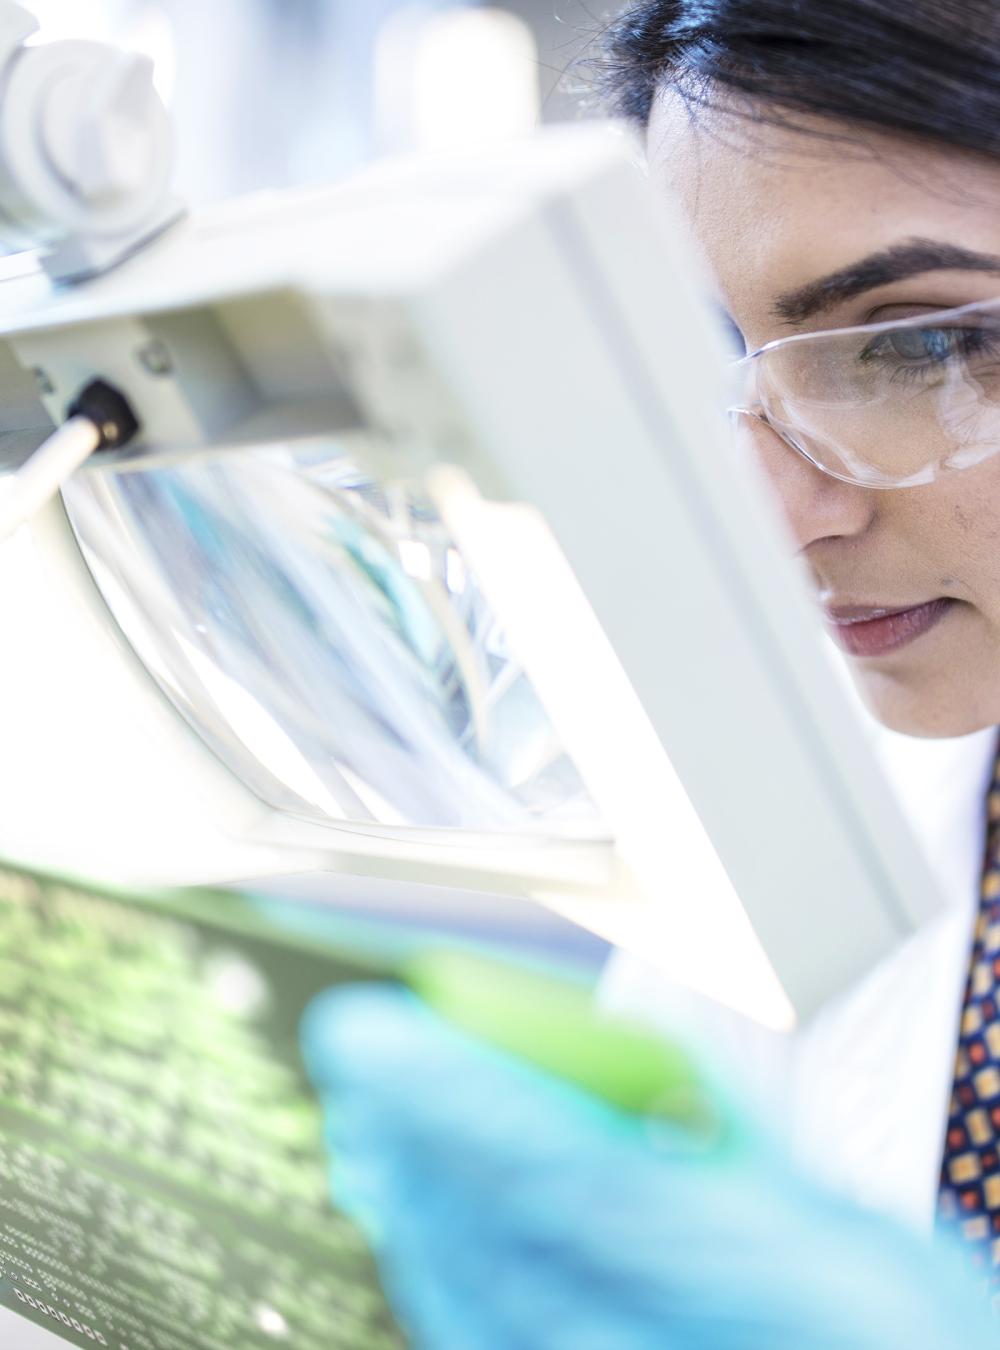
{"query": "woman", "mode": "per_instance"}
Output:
(839, 164)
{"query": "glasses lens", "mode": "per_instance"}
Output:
(894, 406)
(325, 637)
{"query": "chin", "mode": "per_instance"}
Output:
(929, 709)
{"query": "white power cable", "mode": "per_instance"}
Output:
(24, 493)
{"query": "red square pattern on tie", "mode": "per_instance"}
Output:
(970, 1167)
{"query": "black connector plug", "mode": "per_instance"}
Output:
(110, 412)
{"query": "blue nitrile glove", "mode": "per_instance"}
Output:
(512, 1211)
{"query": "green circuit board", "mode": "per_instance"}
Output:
(163, 1180)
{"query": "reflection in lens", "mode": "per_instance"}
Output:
(324, 636)
(893, 408)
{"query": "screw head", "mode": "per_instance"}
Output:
(155, 358)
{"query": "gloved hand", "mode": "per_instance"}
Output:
(512, 1211)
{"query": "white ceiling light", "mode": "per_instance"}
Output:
(455, 78)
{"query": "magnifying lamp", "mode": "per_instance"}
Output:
(427, 557)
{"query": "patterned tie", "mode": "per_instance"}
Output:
(970, 1171)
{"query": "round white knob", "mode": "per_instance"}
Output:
(86, 155)
(100, 126)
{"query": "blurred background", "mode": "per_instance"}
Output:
(280, 93)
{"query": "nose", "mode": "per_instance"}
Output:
(816, 505)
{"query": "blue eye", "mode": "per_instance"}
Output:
(932, 354)
(918, 344)
(930, 346)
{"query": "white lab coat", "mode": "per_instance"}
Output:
(865, 1086)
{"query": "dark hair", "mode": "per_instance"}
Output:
(927, 68)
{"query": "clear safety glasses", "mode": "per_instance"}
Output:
(884, 405)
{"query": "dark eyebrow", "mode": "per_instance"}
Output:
(891, 264)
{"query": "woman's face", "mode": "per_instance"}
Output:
(777, 211)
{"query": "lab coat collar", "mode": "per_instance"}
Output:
(872, 1075)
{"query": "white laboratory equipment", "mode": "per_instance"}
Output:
(432, 560)
(86, 149)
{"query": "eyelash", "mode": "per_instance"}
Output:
(974, 342)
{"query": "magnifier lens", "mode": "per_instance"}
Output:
(325, 637)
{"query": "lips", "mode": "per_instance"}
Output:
(872, 630)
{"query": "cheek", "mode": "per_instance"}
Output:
(956, 523)
(946, 537)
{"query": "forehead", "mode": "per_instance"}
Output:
(776, 207)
